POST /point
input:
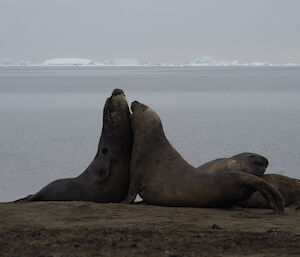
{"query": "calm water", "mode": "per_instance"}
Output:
(50, 118)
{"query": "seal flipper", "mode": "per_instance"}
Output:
(273, 196)
(132, 193)
(24, 199)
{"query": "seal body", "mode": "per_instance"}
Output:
(256, 164)
(106, 179)
(162, 177)
(251, 163)
(288, 187)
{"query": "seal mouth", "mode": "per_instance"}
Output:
(117, 94)
(117, 91)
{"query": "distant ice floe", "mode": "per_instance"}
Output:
(205, 61)
(67, 62)
(121, 62)
(290, 64)
(209, 61)
(9, 62)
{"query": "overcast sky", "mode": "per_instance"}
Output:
(154, 30)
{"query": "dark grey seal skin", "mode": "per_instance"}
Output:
(162, 177)
(288, 187)
(107, 177)
(251, 163)
(256, 164)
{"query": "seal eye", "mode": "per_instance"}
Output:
(104, 150)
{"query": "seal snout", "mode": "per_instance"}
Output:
(259, 160)
(117, 91)
(134, 104)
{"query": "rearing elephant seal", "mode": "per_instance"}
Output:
(107, 178)
(251, 163)
(162, 177)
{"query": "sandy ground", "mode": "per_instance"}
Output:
(88, 229)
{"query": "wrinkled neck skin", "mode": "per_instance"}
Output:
(149, 136)
(150, 143)
(116, 134)
(116, 139)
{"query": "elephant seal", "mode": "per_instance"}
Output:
(288, 187)
(256, 164)
(251, 163)
(162, 177)
(106, 179)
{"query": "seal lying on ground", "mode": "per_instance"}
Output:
(288, 187)
(256, 164)
(251, 163)
(162, 177)
(107, 177)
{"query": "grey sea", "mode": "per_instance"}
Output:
(51, 117)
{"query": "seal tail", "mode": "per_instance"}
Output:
(272, 195)
(24, 199)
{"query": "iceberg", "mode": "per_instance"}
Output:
(67, 62)
(9, 62)
(259, 64)
(133, 62)
(290, 64)
(121, 62)
(204, 61)
(209, 61)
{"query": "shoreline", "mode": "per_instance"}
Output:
(90, 229)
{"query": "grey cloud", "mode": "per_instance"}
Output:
(164, 31)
